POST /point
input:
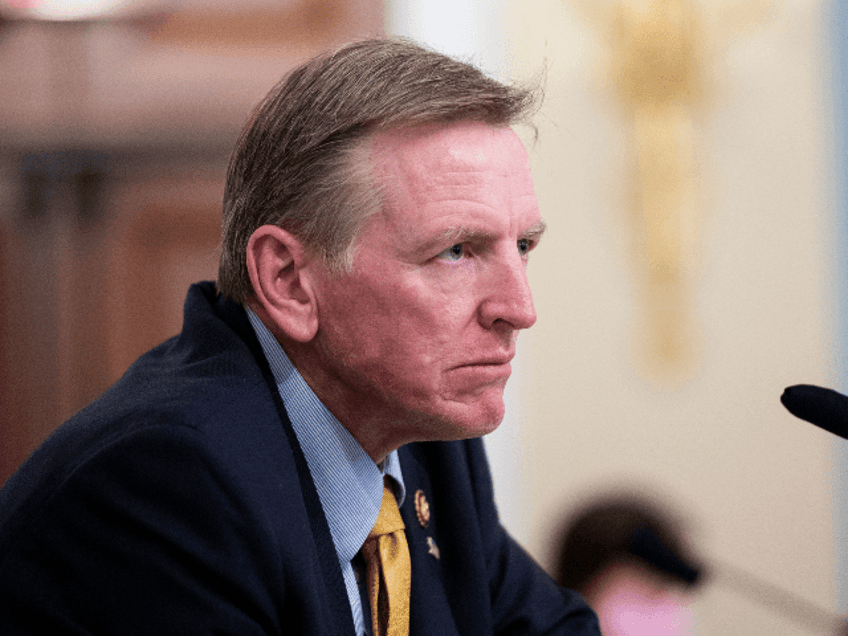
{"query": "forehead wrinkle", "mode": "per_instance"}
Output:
(476, 188)
(470, 231)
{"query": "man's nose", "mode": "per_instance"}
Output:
(508, 300)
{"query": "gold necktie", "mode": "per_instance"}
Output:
(388, 569)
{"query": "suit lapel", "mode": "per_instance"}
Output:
(334, 594)
(430, 608)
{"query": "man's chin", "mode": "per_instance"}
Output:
(474, 419)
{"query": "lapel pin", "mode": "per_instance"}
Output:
(432, 548)
(422, 508)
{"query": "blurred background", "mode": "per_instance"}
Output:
(690, 160)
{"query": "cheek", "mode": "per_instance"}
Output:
(367, 326)
(394, 314)
(353, 305)
(399, 329)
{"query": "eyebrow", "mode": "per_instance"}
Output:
(460, 234)
(535, 231)
(463, 234)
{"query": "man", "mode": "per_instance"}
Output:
(378, 217)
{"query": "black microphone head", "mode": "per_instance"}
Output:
(646, 544)
(825, 408)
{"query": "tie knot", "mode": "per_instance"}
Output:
(389, 519)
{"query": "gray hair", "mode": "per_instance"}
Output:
(299, 163)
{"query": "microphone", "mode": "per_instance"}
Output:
(646, 544)
(825, 408)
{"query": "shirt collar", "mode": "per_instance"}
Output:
(349, 483)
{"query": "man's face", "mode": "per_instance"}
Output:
(416, 341)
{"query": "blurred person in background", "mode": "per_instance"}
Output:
(629, 559)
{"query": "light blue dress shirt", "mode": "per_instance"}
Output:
(349, 483)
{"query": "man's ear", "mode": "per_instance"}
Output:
(278, 266)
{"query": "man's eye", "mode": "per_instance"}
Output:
(454, 252)
(524, 246)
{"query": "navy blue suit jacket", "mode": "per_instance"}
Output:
(180, 503)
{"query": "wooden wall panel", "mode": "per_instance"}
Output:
(96, 258)
(168, 240)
